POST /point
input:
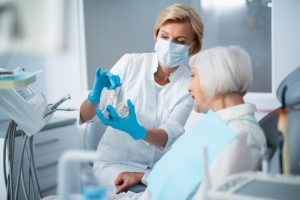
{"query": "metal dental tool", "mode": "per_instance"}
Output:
(54, 107)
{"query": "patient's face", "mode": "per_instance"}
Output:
(200, 102)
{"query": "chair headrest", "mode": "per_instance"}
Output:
(291, 87)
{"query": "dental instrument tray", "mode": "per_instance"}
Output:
(19, 79)
(6, 73)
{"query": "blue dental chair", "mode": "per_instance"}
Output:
(289, 90)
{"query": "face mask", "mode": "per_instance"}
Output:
(171, 54)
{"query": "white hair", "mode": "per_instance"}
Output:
(223, 70)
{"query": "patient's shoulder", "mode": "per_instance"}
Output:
(248, 131)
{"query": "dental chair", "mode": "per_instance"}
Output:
(273, 137)
(288, 93)
(93, 134)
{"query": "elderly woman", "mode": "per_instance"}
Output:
(221, 77)
(156, 85)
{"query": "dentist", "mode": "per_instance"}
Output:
(154, 87)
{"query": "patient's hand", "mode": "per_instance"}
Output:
(127, 179)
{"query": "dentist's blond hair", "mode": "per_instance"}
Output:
(182, 13)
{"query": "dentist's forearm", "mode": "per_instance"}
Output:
(157, 137)
(87, 111)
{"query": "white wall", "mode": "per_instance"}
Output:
(286, 37)
(64, 71)
(61, 71)
(285, 48)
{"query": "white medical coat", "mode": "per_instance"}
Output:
(167, 107)
(242, 154)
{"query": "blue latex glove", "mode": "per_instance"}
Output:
(128, 124)
(105, 79)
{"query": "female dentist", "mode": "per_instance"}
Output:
(155, 86)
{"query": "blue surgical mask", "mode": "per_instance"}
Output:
(171, 54)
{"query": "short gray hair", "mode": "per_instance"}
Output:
(223, 70)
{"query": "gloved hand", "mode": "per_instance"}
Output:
(128, 124)
(105, 79)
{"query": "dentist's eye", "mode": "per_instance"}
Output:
(180, 42)
(164, 37)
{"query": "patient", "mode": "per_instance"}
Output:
(221, 77)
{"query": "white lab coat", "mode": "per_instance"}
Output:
(242, 154)
(166, 107)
